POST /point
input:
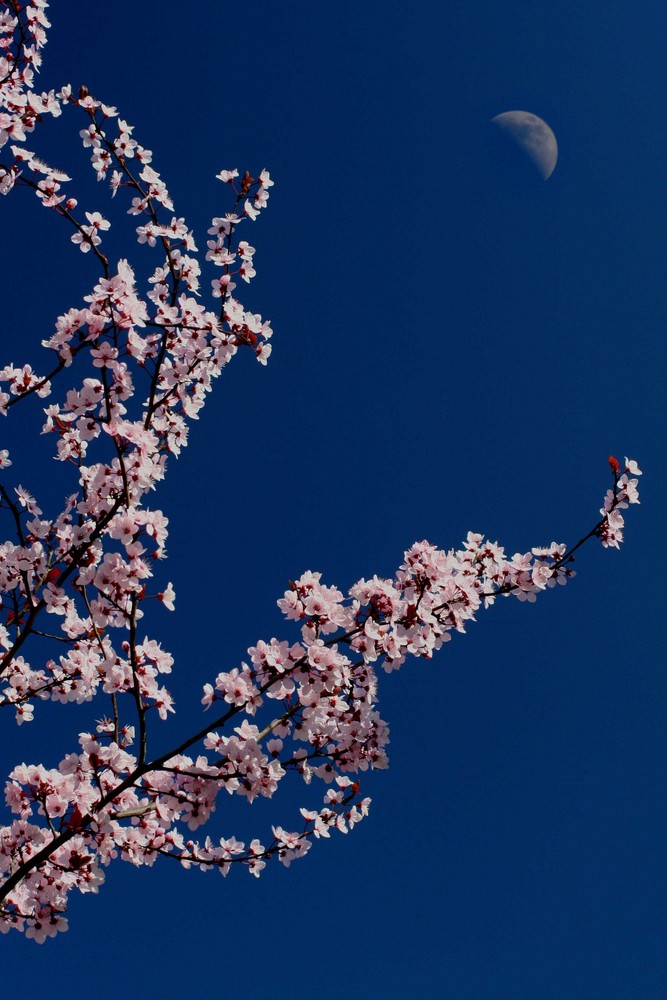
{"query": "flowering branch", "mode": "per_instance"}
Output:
(305, 705)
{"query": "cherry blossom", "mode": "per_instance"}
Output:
(87, 578)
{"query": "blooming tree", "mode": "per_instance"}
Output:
(128, 372)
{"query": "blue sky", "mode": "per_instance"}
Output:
(458, 346)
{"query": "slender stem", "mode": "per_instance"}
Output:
(76, 554)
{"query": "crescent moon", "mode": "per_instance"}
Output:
(533, 136)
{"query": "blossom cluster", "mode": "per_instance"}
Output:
(140, 365)
(152, 360)
(104, 801)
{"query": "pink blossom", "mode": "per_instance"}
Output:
(85, 576)
(227, 176)
(168, 596)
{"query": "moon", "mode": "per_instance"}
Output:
(533, 136)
